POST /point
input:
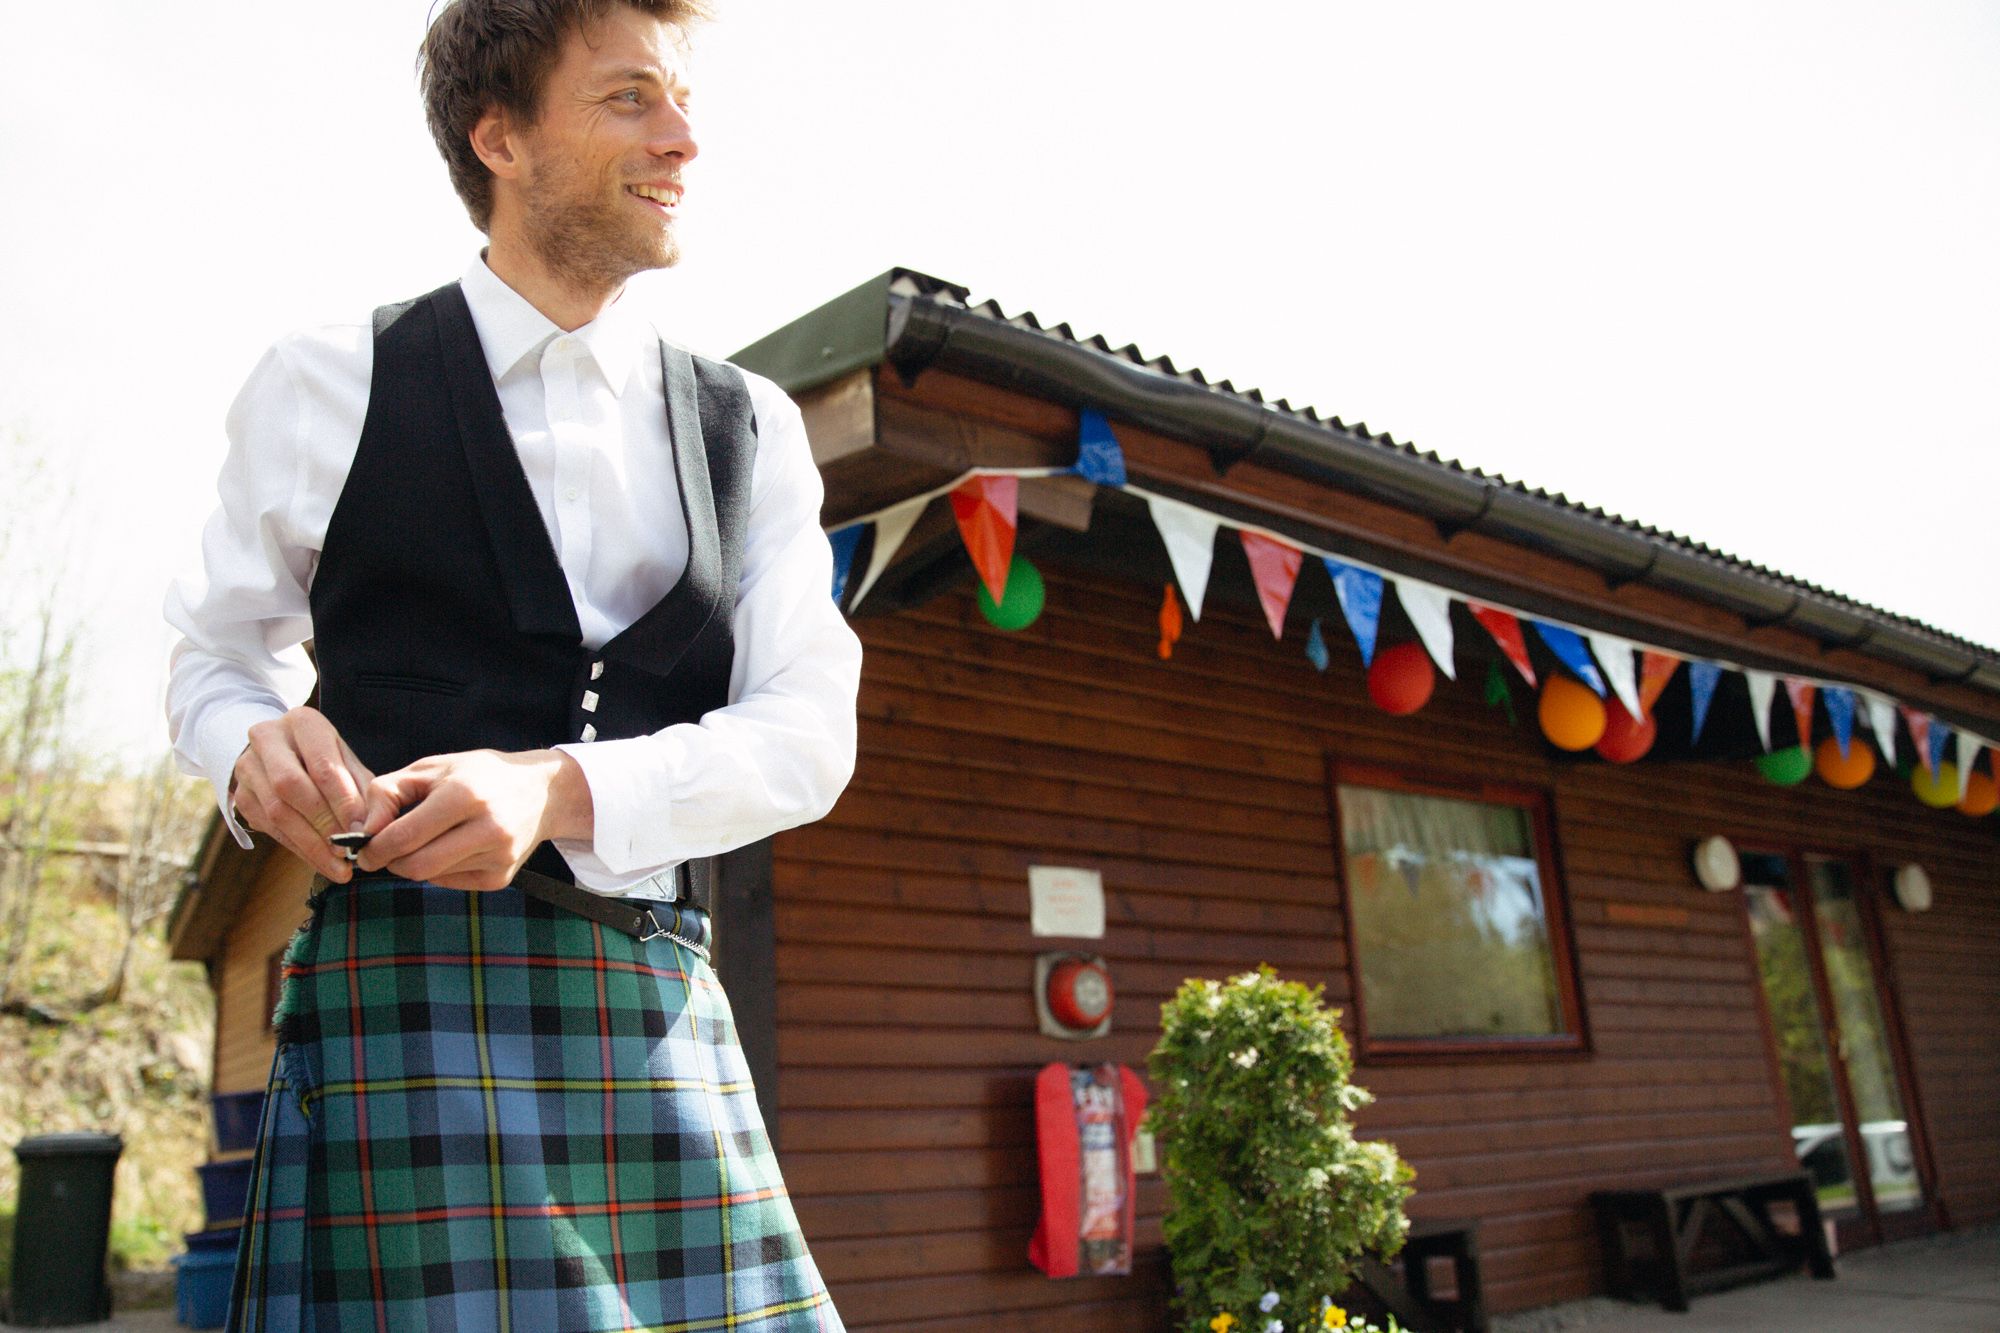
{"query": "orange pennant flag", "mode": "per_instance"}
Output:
(986, 509)
(1275, 566)
(1655, 670)
(1170, 623)
(1802, 692)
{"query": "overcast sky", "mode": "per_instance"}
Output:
(1726, 268)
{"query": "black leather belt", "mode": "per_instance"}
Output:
(695, 887)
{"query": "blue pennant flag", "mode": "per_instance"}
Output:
(1939, 738)
(845, 541)
(1840, 710)
(1316, 647)
(1360, 592)
(1702, 680)
(1572, 652)
(1098, 457)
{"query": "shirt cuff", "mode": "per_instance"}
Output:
(631, 806)
(223, 738)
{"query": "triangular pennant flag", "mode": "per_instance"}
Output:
(1655, 670)
(1429, 610)
(1098, 457)
(1939, 737)
(1316, 652)
(1615, 656)
(1702, 680)
(986, 509)
(1763, 689)
(1920, 736)
(1497, 693)
(844, 542)
(1840, 712)
(1190, 538)
(1274, 566)
(1882, 721)
(1505, 627)
(1968, 755)
(1801, 692)
(1568, 647)
(891, 529)
(1170, 623)
(1360, 593)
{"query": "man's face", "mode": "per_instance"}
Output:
(601, 179)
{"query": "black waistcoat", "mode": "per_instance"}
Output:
(441, 617)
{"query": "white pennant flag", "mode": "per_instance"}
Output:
(1429, 610)
(890, 532)
(1763, 687)
(1614, 655)
(1968, 755)
(1882, 721)
(1190, 538)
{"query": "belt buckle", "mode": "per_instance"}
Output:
(667, 882)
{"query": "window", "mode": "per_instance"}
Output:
(1455, 928)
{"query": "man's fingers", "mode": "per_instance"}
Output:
(461, 850)
(285, 778)
(324, 758)
(426, 810)
(307, 843)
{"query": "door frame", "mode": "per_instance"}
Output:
(1866, 1224)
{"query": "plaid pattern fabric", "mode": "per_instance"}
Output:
(487, 1113)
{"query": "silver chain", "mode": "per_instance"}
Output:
(660, 932)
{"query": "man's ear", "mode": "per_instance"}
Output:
(495, 140)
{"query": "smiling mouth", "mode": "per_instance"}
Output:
(667, 198)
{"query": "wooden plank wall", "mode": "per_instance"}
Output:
(907, 1039)
(274, 909)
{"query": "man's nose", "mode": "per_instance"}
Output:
(674, 135)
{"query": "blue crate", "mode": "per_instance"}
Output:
(236, 1117)
(225, 1187)
(201, 1286)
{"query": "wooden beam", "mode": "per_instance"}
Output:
(840, 417)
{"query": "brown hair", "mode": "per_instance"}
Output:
(484, 53)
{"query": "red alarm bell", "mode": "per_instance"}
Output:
(1073, 995)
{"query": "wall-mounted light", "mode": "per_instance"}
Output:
(1716, 865)
(1913, 888)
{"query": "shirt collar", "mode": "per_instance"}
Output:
(511, 329)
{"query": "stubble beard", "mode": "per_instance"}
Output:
(588, 242)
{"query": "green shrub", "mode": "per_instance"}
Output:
(1268, 1190)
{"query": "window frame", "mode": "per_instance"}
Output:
(1539, 806)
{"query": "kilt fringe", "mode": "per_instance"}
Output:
(486, 1113)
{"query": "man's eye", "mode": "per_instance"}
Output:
(630, 95)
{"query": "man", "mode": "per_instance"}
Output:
(568, 599)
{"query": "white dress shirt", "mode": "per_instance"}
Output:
(587, 411)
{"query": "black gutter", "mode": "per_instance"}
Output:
(926, 324)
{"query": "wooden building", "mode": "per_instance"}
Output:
(1235, 801)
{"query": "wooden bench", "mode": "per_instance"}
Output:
(1672, 1221)
(1408, 1295)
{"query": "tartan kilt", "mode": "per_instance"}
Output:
(489, 1113)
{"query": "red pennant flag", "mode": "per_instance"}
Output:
(1170, 622)
(1655, 670)
(1275, 566)
(1802, 692)
(1506, 631)
(985, 508)
(1920, 734)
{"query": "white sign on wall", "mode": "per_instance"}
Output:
(1066, 901)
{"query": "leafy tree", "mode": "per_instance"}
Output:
(1268, 1189)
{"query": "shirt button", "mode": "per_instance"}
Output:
(570, 494)
(589, 733)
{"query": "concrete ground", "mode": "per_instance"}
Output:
(1939, 1284)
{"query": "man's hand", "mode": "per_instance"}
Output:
(469, 820)
(298, 782)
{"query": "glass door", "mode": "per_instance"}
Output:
(1832, 1044)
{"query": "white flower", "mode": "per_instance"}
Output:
(1244, 1058)
(1275, 1326)
(1269, 1302)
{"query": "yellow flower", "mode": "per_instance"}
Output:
(1222, 1322)
(1333, 1317)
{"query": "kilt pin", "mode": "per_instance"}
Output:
(486, 1112)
